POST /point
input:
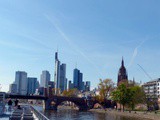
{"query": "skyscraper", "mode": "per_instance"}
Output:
(32, 85)
(57, 72)
(59, 75)
(70, 85)
(80, 81)
(45, 78)
(13, 88)
(122, 74)
(87, 86)
(51, 84)
(83, 86)
(21, 82)
(62, 77)
(37, 84)
(65, 84)
(77, 79)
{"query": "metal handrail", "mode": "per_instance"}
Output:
(39, 114)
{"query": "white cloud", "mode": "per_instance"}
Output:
(135, 52)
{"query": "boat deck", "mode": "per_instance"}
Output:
(24, 113)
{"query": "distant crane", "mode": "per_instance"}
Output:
(145, 72)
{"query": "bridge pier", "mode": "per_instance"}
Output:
(49, 105)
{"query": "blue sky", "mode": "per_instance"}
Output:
(95, 34)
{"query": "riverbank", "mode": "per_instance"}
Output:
(140, 115)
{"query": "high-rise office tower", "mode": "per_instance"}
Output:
(21, 82)
(77, 79)
(65, 84)
(62, 81)
(70, 85)
(51, 84)
(37, 84)
(59, 75)
(83, 86)
(13, 88)
(88, 85)
(80, 81)
(45, 78)
(32, 85)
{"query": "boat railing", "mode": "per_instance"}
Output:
(39, 114)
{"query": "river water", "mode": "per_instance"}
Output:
(70, 114)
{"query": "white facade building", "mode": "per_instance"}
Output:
(152, 88)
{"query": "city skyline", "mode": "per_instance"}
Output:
(93, 34)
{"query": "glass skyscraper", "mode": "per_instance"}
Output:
(32, 85)
(45, 78)
(59, 75)
(62, 77)
(21, 82)
(78, 79)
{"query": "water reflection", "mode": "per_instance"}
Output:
(69, 114)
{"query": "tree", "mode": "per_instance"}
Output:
(138, 96)
(56, 91)
(129, 95)
(105, 87)
(125, 94)
(116, 96)
(70, 92)
(122, 95)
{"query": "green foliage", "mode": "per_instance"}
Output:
(105, 87)
(125, 94)
(70, 92)
(116, 96)
(138, 96)
(129, 95)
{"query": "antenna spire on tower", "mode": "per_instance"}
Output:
(57, 48)
(56, 56)
(76, 65)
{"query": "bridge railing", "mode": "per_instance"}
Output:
(39, 114)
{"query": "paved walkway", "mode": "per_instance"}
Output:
(147, 116)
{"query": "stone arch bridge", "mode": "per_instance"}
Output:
(53, 102)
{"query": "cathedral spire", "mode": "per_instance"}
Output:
(122, 73)
(122, 61)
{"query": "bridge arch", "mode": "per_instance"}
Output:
(97, 105)
(106, 104)
(72, 102)
(55, 102)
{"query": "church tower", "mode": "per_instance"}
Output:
(122, 74)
